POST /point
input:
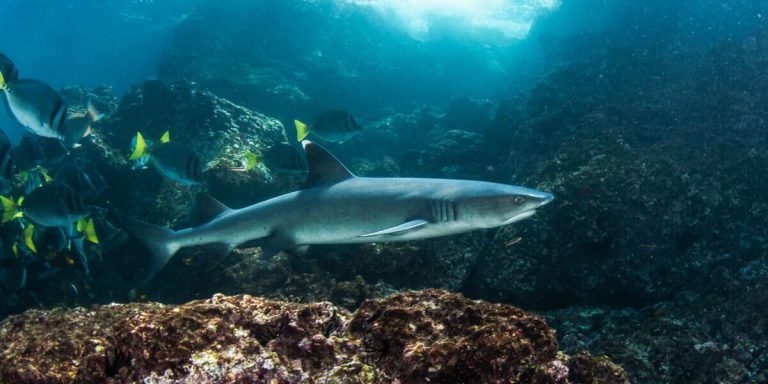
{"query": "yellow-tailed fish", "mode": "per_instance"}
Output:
(88, 230)
(10, 209)
(8, 71)
(333, 125)
(171, 159)
(285, 159)
(302, 130)
(29, 241)
(46, 178)
(251, 161)
(141, 148)
(54, 205)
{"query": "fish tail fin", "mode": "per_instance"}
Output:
(88, 229)
(29, 240)
(10, 209)
(93, 113)
(2, 82)
(140, 149)
(252, 160)
(302, 130)
(161, 242)
(166, 137)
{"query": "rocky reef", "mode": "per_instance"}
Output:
(221, 132)
(422, 336)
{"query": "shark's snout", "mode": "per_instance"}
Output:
(536, 200)
(546, 198)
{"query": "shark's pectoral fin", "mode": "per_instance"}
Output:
(273, 244)
(400, 229)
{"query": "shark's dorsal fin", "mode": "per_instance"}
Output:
(324, 168)
(206, 208)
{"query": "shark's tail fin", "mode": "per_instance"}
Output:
(161, 242)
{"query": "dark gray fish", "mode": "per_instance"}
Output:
(8, 69)
(286, 159)
(35, 150)
(110, 237)
(50, 240)
(36, 106)
(10, 232)
(54, 241)
(89, 185)
(177, 162)
(53, 205)
(35, 179)
(6, 164)
(28, 153)
(13, 276)
(77, 126)
(77, 250)
(334, 126)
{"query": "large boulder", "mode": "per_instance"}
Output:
(428, 336)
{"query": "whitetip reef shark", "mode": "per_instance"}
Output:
(336, 207)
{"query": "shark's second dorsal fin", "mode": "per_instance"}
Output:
(206, 208)
(324, 168)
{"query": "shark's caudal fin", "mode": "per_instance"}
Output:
(160, 241)
(324, 168)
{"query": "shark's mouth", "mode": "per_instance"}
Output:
(520, 216)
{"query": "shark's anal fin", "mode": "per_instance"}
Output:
(400, 229)
(206, 208)
(274, 244)
(324, 168)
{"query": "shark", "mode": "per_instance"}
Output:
(334, 206)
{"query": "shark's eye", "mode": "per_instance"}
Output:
(519, 199)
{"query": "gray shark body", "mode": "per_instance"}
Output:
(336, 207)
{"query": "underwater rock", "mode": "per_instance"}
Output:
(722, 336)
(221, 132)
(466, 114)
(102, 96)
(655, 188)
(411, 337)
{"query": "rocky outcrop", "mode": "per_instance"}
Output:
(427, 336)
(221, 132)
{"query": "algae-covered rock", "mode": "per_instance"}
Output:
(411, 337)
(221, 132)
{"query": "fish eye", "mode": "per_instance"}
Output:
(519, 199)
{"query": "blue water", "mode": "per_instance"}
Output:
(115, 43)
